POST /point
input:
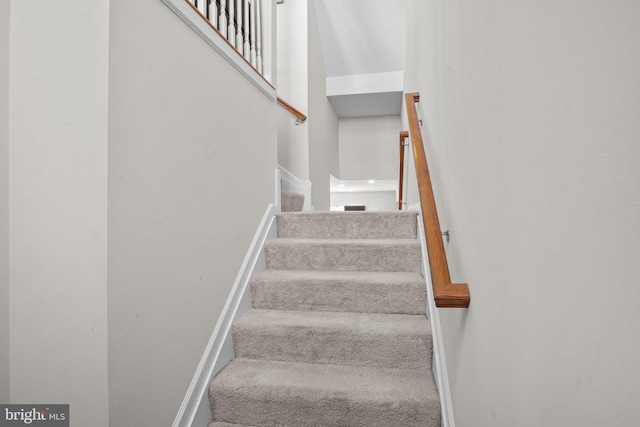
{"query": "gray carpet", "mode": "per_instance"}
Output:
(351, 291)
(348, 225)
(337, 335)
(291, 202)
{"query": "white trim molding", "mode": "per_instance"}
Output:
(439, 362)
(200, 25)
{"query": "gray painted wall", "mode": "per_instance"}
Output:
(323, 121)
(293, 83)
(192, 154)
(372, 200)
(369, 147)
(134, 188)
(310, 150)
(58, 206)
(531, 117)
(4, 200)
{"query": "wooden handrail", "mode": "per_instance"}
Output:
(446, 294)
(403, 135)
(300, 116)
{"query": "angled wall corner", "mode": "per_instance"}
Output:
(5, 22)
(58, 205)
(309, 150)
(293, 83)
(362, 95)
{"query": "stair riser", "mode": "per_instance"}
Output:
(352, 348)
(348, 225)
(291, 202)
(263, 409)
(340, 296)
(333, 256)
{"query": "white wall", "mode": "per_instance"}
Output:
(192, 153)
(323, 121)
(369, 147)
(372, 200)
(310, 150)
(58, 205)
(4, 201)
(293, 83)
(531, 117)
(293, 144)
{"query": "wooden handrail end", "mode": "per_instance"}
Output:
(290, 108)
(456, 295)
(413, 95)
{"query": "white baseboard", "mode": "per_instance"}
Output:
(439, 361)
(195, 410)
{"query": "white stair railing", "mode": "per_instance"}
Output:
(222, 19)
(259, 37)
(228, 26)
(239, 22)
(252, 32)
(245, 29)
(231, 31)
(239, 38)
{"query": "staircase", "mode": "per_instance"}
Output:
(337, 334)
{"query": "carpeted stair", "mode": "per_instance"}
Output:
(337, 335)
(291, 201)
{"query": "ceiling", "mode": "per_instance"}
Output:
(355, 35)
(360, 39)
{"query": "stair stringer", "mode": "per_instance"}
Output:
(439, 364)
(195, 409)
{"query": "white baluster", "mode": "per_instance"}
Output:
(232, 28)
(213, 12)
(239, 26)
(252, 34)
(259, 34)
(245, 27)
(202, 6)
(222, 27)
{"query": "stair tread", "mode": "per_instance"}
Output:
(344, 214)
(380, 278)
(340, 241)
(327, 393)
